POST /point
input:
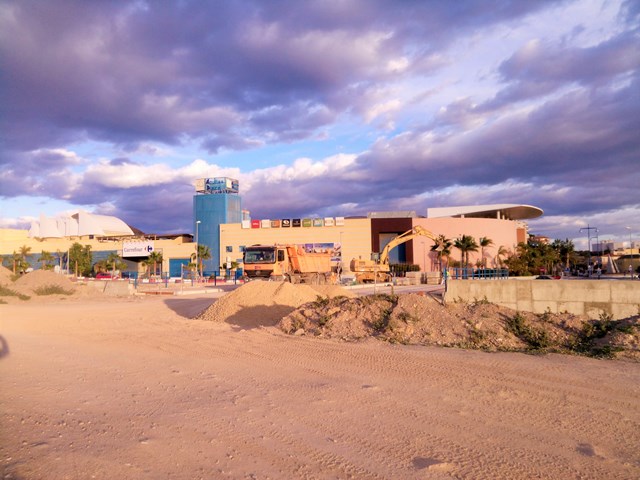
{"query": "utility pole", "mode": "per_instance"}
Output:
(588, 229)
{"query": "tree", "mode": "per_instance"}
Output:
(22, 264)
(465, 244)
(114, 262)
(502, 252)
(565, 249)
(442, 247)
(531, 258)
(204, 253)
(60, 255)
(80, 259)
(484, 242)
(154, 259)
(46, 258)
(19, 263)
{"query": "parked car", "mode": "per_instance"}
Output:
(106, 276)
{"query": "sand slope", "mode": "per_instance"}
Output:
(137, 389)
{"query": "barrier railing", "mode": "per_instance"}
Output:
(478, 273)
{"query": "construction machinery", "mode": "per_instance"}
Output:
(369, 271)
(287, 263)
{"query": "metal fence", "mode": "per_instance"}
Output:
(478, 273)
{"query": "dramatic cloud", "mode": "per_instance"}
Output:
(322, 108)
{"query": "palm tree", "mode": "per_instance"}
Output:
(204, 253)
(17, 262)
(465, 244)
(155, 258)
(565, 249)
(442, 246)
(114, 262)
(502, 252)
(46, 258)
(23, 264)
(484, 242)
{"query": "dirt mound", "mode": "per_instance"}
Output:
(332, 291)
(265, 303)
(414, 319)
(39, 279)
(5, 275)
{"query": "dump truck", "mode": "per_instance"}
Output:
(289, 263)
(369, 271)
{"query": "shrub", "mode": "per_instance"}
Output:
(536, 339)
(7, 292)
(52, 290)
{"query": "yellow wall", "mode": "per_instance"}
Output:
(12, 240)
(355, 236)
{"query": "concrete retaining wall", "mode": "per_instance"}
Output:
(619, 298)
(115, 288)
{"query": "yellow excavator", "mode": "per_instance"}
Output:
(369, 271)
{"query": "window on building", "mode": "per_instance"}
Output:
(229, 248)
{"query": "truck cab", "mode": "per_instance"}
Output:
(264, 261)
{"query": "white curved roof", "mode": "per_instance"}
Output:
(79, 224)
(507, 211)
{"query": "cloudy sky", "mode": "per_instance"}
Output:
(322, 108)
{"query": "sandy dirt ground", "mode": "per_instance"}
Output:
(140, 388)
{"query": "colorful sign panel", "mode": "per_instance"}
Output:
(295, 222)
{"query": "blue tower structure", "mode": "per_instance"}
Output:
(216, 202)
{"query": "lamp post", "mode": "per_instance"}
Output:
(630, 249)
(197, 223)
(340, 260)
(588, 229)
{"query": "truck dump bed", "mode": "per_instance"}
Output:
(303, 262)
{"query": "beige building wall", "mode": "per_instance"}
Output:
(354, 235)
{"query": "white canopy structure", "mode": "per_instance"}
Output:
(507, 211)
(79, 224)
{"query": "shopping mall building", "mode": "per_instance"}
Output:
(221, 223)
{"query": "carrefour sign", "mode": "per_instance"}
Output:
(137, 249)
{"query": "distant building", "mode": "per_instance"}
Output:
(220, 223)
(216, 202)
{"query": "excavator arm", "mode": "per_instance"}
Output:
(416, 231)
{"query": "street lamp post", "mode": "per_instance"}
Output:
(197, 266)
(630, 249)
(588, 229)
